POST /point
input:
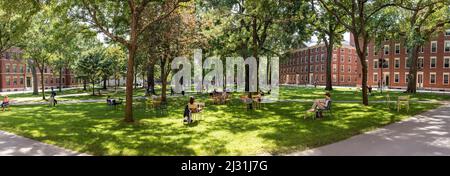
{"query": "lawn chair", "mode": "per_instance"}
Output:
(256, 101)
(246, 101)
(326, 109)
(403, 101)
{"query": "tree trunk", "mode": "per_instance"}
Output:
(84, 84)
(35, 79)
(413, 59)
(163, 81)
(361, 51)
(42, 82)
(329, 83)
(60, 80)
(104, 83)
(93, 88)
(151, 78)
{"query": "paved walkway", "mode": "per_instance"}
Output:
(13, 145)
(424, 134)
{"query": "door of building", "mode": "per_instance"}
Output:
(420, 80)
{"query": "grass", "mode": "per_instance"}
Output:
(278, 128)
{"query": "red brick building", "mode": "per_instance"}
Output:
(15, 75)
(308, 65)
(434, 64)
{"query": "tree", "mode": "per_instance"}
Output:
(124, 22)
(417, 24)
(360, 17)
(15, 21)
(89, 66)
(117, 56)
(330, 32)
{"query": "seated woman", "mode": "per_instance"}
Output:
(321, 103)
(5, 102)
(193, 107)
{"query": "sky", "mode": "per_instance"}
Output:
(313, 40)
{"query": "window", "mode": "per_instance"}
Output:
(14, 68)
(15, 81)
(447, 46)
(396, 77)
(447, 32)
(432, 78)
(421, 49)
(386, 63)
(406, 77)
(21, 69)
(397, 63)
(386, 49)
(317, 69)
(349, 79)
(7, 69)
(342, 68)
(349, 59)
(21, 80)
(311, 69)
(349, 69)
(322, 68)
(375, 77)
(334, 68)
(445, 81)
(334, 78)
(420, 63)
(342, 58)
(434, 46)
(334, 57)
(317, 58)
(407, 63)
(375, 64)
(323, 57)
(447, 62)
(375, 51)
(322, 78)
(8, 81)
(342, 78)
(397, 48)
(433, 62)
(311, 59)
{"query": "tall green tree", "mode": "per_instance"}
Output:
(418, 22)
(330, 32)
(361, 18)
(123, 22)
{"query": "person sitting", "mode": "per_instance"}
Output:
(320, 104)
(109, 100)
(5, 102)
(53, 97)
(193, 107)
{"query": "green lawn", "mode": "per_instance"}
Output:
(278, 128)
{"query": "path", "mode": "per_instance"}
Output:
(13, 145)
(424, 134)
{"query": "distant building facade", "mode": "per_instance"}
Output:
(308, 66)
(16, 75)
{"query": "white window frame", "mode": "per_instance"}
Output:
(443, 78)
(376, 64)
(388, 49)
(431, 61)
(431, 46)
(375, 75)
(399, 49)
(396, 80)
(406, 62)
(445, 46)
(435, 77)
(446, 58)
(399, 63)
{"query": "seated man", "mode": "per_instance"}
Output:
(109, 100)
(5, 102)
(320, 104)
